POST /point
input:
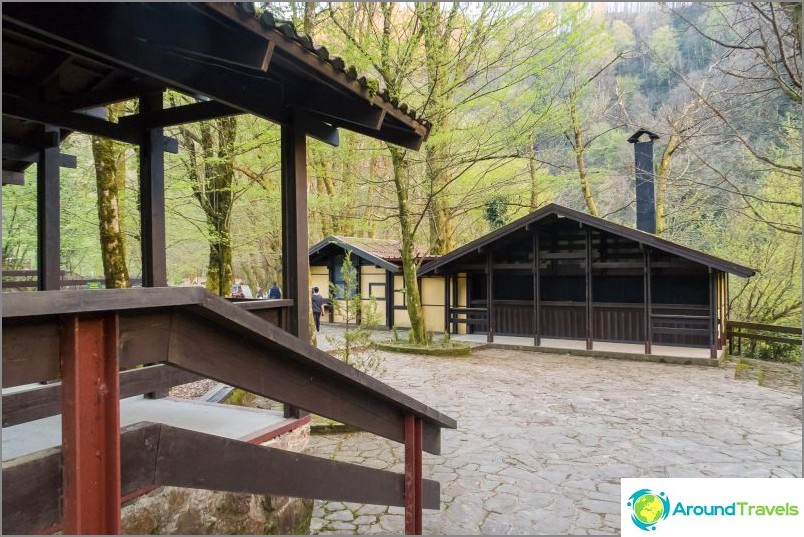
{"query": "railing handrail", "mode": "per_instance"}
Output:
(764, 327)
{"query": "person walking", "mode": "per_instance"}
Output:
(274, 291)
(318, 304)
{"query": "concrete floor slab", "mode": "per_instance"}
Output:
(228, 421)
(605, 349)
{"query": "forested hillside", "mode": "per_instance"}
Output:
(530, 104)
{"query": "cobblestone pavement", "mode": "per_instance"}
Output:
(543, 439)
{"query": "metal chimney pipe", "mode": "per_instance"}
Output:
(645, 194)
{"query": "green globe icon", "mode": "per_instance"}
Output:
(648, 508)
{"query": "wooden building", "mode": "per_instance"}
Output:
(559, 273)
(61, 61)
(379, 274)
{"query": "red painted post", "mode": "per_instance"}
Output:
(90, 425)
(413, 475)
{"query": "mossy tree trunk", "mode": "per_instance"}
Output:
(210, 165)
(110, 174)
(412, 296)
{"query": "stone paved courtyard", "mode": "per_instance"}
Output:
(543, 439)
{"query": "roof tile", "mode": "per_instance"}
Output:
(269, 20)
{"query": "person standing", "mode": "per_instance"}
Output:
(318, 304)
(274, 291)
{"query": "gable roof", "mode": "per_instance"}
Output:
(641, 237)
(384, 253)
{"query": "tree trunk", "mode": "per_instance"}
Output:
(534, 181)
(219, 269)
(441, 225)
(580, 158)
(110, 174)
(412, 296)
(662, 172)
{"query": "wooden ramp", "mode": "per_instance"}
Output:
(85, 338)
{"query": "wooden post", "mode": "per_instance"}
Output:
(295, 262)
(723, 316)
(646, 278)
(359, 290)
(454, 303)
(589, 327)
(389, 299)
(152, 199)
(490, 295)
(447, 278)
(537, 328)
(48, 207)
(712, 314)
(90, 425)
(413, 475)
(330, 279)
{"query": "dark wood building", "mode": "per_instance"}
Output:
(61, 61)
(559, 273)
(379, 273)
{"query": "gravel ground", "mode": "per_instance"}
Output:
(192, 390)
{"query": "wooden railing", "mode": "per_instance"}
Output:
(738, 330)
(475, 317)
(29, 279)
(187, 333)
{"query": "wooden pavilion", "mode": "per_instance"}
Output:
(379, 274)
(563, 274)
(61, 61)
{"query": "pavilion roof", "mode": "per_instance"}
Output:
(554, 209)
(382, 252)
(63, 62)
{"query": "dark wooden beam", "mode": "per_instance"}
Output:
(188, 113)
(45, 400)
(447, 277)
(46, 114)
(490, 295)
(48, 209)
(712, 323)
(152, 198)
(295, 261)
(647, 299)
(113, 93)
(317, 129)
(389, 299)
(588, 273)
(388, 134)
(537, 334)
(347, 111)
(12, 151)
(236, 466)
(413, 475)
(13, 178)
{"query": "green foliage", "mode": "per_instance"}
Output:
(361, 319)
(496, 212)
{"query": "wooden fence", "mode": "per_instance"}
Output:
(736, 331)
